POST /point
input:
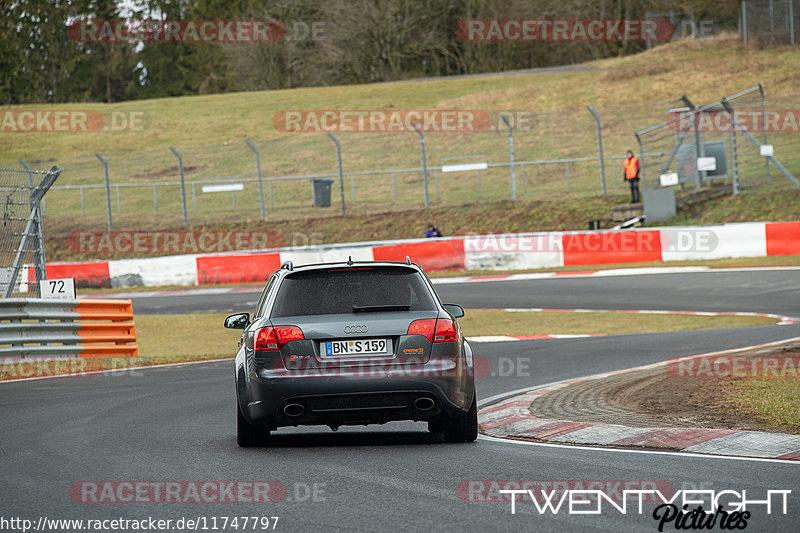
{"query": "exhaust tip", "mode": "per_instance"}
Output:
(424, 403)
(294, 409)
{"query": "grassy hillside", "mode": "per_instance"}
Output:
(703, 69)
(629, 93)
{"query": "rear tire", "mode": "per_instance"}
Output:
(248, 435)
(462, 428)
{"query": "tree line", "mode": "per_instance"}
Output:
(331, 42)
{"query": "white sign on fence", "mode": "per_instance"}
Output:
(668, 179)
(223, 188)
(461, 167)
(706, 163)
(766, 150)
(58, 289)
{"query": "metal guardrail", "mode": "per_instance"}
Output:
(40, 328)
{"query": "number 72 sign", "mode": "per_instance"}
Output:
(58, 289)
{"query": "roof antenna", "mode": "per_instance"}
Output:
(349, 260)
(408, 260)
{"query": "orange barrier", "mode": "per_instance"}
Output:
(116, 327)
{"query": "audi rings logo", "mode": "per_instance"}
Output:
(355, 329)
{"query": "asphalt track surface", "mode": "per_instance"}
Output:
(177, 423)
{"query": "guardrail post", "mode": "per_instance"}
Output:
(341, 176)
(599, 149)
(260, 184)
(183, 187)
(511, 157)
(108, 189)
(424, 163)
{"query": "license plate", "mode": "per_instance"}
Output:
(358, 347)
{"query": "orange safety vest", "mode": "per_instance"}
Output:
(631, 166)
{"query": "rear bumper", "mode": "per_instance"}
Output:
(366, 396)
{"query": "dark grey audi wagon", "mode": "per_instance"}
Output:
(352, 343)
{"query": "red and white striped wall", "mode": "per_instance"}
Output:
(472, 252)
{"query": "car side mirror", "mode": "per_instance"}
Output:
(454, 309)
(237, 321)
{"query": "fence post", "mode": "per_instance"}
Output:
(183, 188)
(734, 169)
(744, 24)
(119, 207)
(341, 177)
(791, 22)
(394, 188)
(194, 198)
(38, 252)
(108, 189)
(764, 122)
(641, 160)
(599, 149)
(566, 170)
(353, 188)
(258, 173)
(83, 203)
(511, 157)
(771, 23)
(524, 179)
(155, 199)
(424, 163)
(436, 180)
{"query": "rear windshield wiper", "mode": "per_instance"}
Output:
(368, 308)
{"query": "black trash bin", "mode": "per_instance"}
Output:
(594, 224)
(322, 192)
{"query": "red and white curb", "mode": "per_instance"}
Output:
(511, 419)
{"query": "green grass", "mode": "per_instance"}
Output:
(774, 401)
(159, 344)
(494, 322)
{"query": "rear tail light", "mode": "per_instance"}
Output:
(441, 330)
(424, 327)
(270, 338)
(445, 331)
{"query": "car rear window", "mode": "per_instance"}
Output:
(337, 290)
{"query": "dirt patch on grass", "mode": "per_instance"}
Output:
(655, 398)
